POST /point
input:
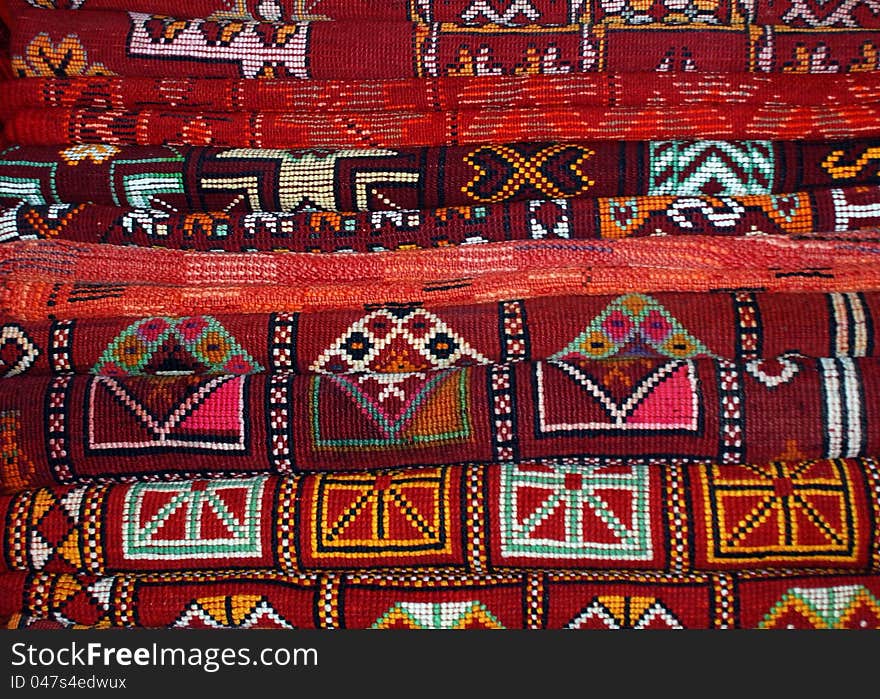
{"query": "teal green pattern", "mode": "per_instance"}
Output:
(392, 430)
(202, 338)
(150, 539)
(571, 493)
(690, 168)
(628, 325)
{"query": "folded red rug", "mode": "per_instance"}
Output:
(192, 178)
(441, 94)
(480, 12)
(834, 211)
(431, 599)
(451, 127)
(107, 43)
(553, 515)
(76, 280)
(80, 428)
(739, 325)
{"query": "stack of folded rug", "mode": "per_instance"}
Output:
(440, 313)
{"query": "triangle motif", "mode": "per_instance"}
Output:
(166, 406)
(40, 550)
(595, 616)
(438, 615)
(175, 346)
(396, 341)
(633, 325)
(231, 612)
(509, 15)
(623, 612)
(664, 398)
(390, 401)
(821, 608)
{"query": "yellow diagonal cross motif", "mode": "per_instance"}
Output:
(527, 171)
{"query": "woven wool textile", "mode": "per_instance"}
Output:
(439, 94)
(824, 599)
(796, 214)
(35, 295)
(570, 406)
(195, 178)
(139, 44)
(411, 338)
(542, 515)
(451, 314)
(393, 129)
(63, 280)
(837, 13)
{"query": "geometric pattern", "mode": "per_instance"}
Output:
(438, 615)
(778, 213)
(140, 182)
(175, 346)
(627, 395)
(642, 12)
(634, 392)
(17, 351)
(553, 172)
(484, 11)
(850, 329)
(565, 515)
(827, 13)
(774, 372)
(280, 53)
(390, 410)
(55, 539)
(235, 181)
(790, 511)
(833, 325)
(621, 36)
(96, 152)
(403, 513)
(513, 599)
(166, 412)
(575, 512)
(843, 407)
(690, 409)
(396, 340)
(623, 612)
(548, 219)
(503, 13)
(231, 612)
(632, 325)
(711, 167)
(275, 179)
(218, 518)
(839, 209)
(839, 607)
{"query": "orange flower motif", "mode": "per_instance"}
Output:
(45, 59)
